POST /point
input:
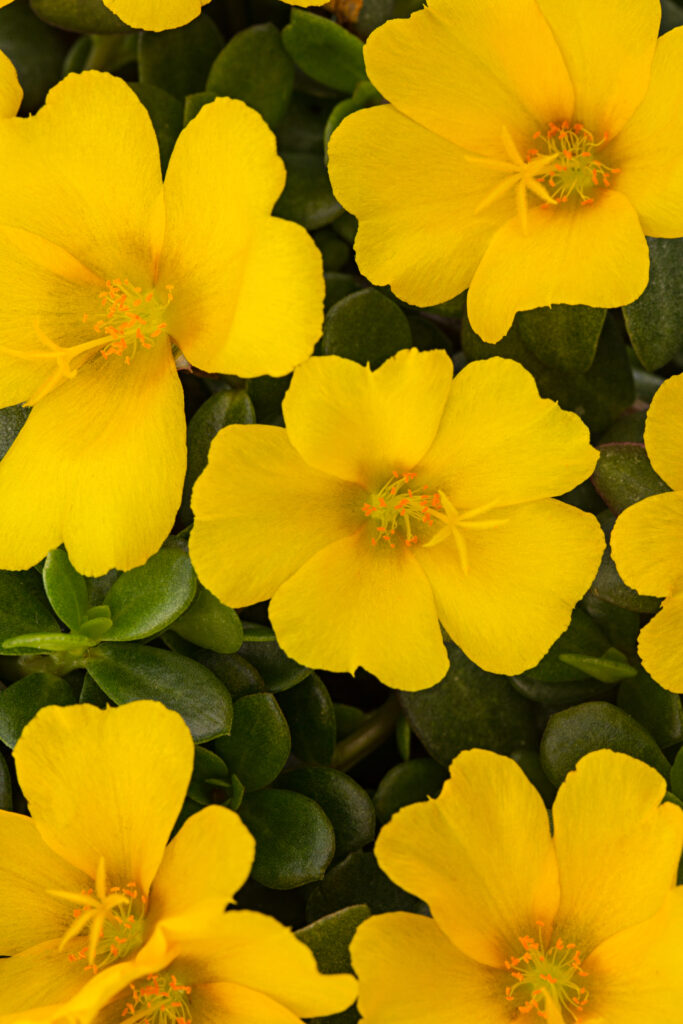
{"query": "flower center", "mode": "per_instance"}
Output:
(396, 504)
(159, 999)
(129, 320)
(548, 980)
(575, 168)
(112, 916)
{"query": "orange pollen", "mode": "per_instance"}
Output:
(576, 170)
(111, 921)
(160, 999)
(546, 975)
(398, 505)
(130, 319)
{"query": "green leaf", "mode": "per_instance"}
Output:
(324, 51)
(179, 60)
(20, 702)
(70, 643)
(5, 785)
(357, 879)
(36, 49)
(624, 476)
(307, 198)
(338, 286)
(329, 938)
(345, 803)
(367, 327)
(210, 623)
(66, 589)
(562, 337)
(294, 838)
(575, 732)
(86, 16)
(23, 605)
(233, 670)
(219, 411)
(166, 114)
(610, 668)
(608, 584)
(583, 636)
(310, 715)
(658, 710)
(12, 420)
(256, 68)
(146, 600)
(620, 625)
(655, 321)
(259, 744)
(469, 708)
(335, 251)
(408, 783)
(364, 95)
(127, 672)
(207, 766)
(277, 670)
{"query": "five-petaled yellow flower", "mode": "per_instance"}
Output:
(101, 920)
(527, 149)
(584, 926)
(107, 276)
(394, 501)
(647, 540)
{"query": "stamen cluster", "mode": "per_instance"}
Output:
(129, 319)
(160, 999)
(398, 504)
(576, 169)
(547, 975)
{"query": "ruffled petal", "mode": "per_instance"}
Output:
(469, 70)
(499, 441)
(203, 866)
(248, 288)
(480, 856)
(361, 425)
(609, 823)
(663, 431)
(11, 93)
(353, 604)
(506, 593)
(411, 973)
(95, 197)
(106, 784)
(261, 512)
(659, 645)
(156, 15)
(29, 915)
(580, 255)
(638, 973)
(608, 49)
(649, 151)
(99, 465)
(647, 544)
(418, 227)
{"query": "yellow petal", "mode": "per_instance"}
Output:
(106, 784)
(580, 255)
(415, 195)
(650, 152)
(156, 15)
(480, 856)
(11, 93)
(608, 50)
(410, 973)
(222, 1001)
(505, 53)
(29, 915)
(99, 465)
(253, 950)
(522, 581)
(93, 197)
(617, 847)
(40, 977)
(361, 425)
(353, 604)
(204, 865)
(499, 441)
(663, 430)
(261, 512)
(647, 544)
(637, 973)
(248, 288)
(659, 645)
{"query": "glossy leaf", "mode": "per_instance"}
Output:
(259, 744)
(345, 803)
(24, 607)
(655, 320)
(624, 476)
(211, 624)
(325, 51)
(408, 783)
(310, 715)
(256, 68)
(179, 60)
(20, 702)
(367, 327)
(66, 589)
(146, 600)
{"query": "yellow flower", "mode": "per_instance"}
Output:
(647, 540)
(98, 914)
(583, 926)
(398, 499)
(107, 275)
(527, 149)
(11, 93)
(155, 16)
